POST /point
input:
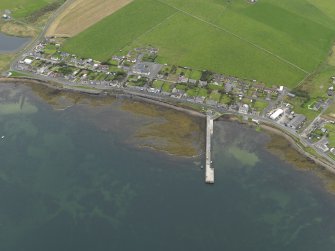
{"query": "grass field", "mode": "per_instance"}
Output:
(278, 42)
(331, 134)
(81, 14)
(23, 8)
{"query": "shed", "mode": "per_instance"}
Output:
(296, 122)
(276, 114)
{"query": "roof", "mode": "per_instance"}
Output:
(142, 68)
(28, 61)
(276, 114)
(296, 121)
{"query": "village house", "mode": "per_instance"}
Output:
(182, 79)
(141, 69)
(244, 109)
(192, 81)
(211, 102)
(202, 83)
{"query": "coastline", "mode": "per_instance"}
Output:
(160, 102)
(120, 94)
(297, 147)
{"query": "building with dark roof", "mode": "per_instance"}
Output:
(297, 121)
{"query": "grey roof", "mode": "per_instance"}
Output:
(142, 68)
(211, 102)
(296, 121)
(228, 87)
(192, 81)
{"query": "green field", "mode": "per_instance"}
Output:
(277, 42)
(23, 8)
(331, 134)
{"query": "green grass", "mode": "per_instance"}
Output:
(216, 96)
(331, 134)
(50, 49)
(301, 107)
(215, 87)
(202, 92)
(157, 84)
(195, 74)
(166, 87)
(192, 92)
(23, 8)
(260, 105)
(197, 91)
(17, 74)
(182, 87)
(115, 32)
(283, 40)
(225, 99)
(318, 84)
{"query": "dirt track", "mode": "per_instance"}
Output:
(82, 14)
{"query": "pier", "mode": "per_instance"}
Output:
(209, 168)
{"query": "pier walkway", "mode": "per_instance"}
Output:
(209, 168)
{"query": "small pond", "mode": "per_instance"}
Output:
(11, 43)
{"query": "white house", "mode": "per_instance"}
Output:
(27, 61)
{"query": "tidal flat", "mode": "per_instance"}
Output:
(76, 175)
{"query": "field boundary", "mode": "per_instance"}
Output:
(70, 21)
(237, 36)
(151, 29)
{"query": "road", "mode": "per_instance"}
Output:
(41, 35)
(161, 98)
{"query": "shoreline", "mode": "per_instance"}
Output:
(142, 98)
(297, 147)
(318, 160)
(120, 93)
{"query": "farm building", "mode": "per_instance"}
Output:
(275, 115)
(297, 121)
(27, 61)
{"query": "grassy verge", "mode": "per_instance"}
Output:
(5, 60)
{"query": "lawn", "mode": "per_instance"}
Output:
(157, 84)
(195, 74)
(182, 87)
(197, 91)
(202, 92)
(216, 87)
(277, 42)
(50, 49)
(215, 95)
(166, 87)
(331, 134)
(260, 105)
(225, 99)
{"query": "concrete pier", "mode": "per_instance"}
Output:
(209, 168)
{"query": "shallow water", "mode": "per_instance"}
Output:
(11, 43)
(70, 180)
